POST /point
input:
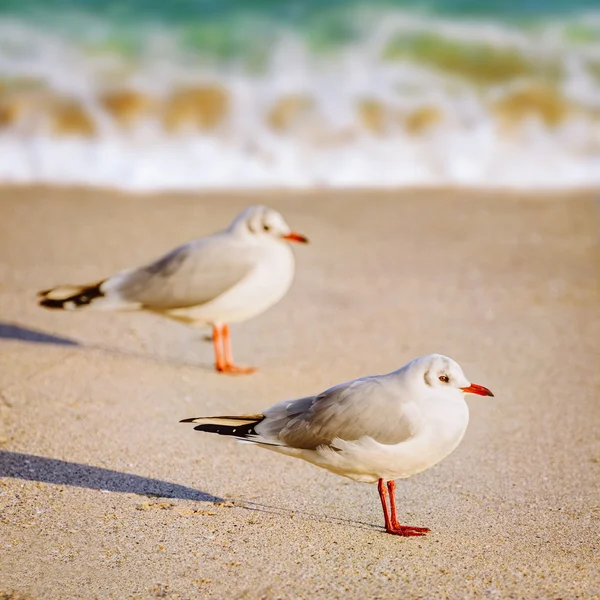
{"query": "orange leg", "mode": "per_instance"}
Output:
(391, 521)
(386, 516)
(224, 357)
(219, 359)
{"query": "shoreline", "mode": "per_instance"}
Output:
(274, 192)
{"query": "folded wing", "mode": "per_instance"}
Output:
(349, 411)
(189, 275)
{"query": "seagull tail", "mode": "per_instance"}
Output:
(241, 427)
(71, 297)
(104, 295)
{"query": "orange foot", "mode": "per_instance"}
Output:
(408, 531)
(235, 369)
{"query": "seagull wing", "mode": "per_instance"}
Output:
(189, 275)
(364, 407)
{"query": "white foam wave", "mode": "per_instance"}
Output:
(329, 146)
(477, 159)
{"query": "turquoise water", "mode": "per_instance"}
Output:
(181, 10)
(231, 28)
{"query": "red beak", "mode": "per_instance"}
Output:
(477, 389)
(295, 237)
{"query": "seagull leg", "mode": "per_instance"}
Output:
(228, 365)
(216, 338)
(386, 516)
(391, 522)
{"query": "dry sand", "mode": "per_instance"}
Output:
(105, 495)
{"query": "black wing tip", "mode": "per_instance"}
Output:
(86, 295)
(49, 303)
(240, 432)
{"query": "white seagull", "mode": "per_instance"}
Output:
(226, 277)
(372, 429)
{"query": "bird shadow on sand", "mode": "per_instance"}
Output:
(12, 331)
(303, 514)
(30, 467)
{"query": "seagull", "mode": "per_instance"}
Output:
(373, 429)
(226, 277)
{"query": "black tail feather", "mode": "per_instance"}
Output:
(244, 429)
(82, 298)
(241, 431)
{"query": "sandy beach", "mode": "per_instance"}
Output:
(103, 494)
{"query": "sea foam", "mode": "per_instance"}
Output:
(407, 101)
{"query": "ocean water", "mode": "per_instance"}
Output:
(203, 94)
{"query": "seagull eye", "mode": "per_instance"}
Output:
(266, 228)
(444, 378)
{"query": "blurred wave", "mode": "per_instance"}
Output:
(257, 93)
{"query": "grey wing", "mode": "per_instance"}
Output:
(189, 275)
(349, 411)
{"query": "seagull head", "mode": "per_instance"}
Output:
(265, 222)
(441, 373)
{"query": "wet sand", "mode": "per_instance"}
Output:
(103, 494)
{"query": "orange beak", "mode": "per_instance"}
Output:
(477, 389)
(295, 237)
